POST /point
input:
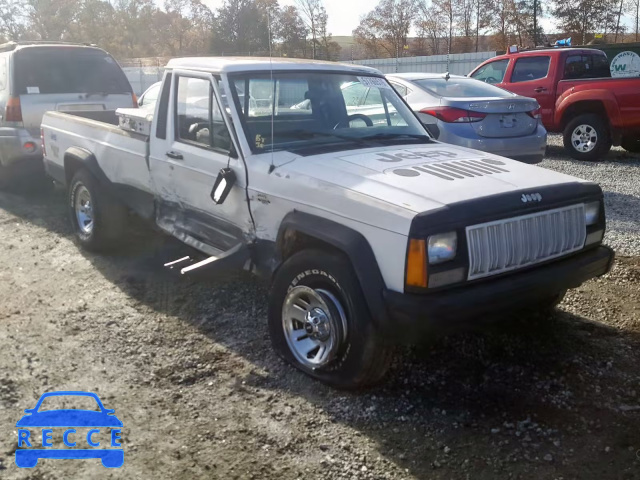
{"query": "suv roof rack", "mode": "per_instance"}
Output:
(7, 47)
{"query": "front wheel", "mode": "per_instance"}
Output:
(631, 145)
(97, 219)
(319, 321)
(586, 137)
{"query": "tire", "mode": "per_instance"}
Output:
(595, 139)
(355, 355)
(631, 145)
(104, 221)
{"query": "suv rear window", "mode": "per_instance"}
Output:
(68, 70)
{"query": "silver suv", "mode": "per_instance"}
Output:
(39, 76)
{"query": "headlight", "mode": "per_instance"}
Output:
(591, 213)
(442, 247)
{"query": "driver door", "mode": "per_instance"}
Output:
(200, 146)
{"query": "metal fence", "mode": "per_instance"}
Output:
(456, 64)
(142, 77)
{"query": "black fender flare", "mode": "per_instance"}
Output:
(87, 160)
(353, 244)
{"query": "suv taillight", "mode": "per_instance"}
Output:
(44, 150)
(135, 100)
(454, 115)
(13, 111)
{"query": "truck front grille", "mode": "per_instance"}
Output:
(504, 245)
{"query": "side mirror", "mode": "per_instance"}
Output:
(225, 181)
(140, 101)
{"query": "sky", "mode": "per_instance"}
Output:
(344, 15)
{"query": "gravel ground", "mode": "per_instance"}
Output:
(619, 176)
(189, 369)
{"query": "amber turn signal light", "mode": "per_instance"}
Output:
(417, 264)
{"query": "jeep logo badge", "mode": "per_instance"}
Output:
(534, 197)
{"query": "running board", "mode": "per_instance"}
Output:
(234, 258)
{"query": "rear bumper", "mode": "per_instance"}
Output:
(12, 147)
(527, 149)
(466, 306)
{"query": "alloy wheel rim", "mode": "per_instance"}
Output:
(84, 210)
(314, 324)
(584, 138)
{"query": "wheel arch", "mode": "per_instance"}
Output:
(299, 230)
(76, 158)
(597, 102)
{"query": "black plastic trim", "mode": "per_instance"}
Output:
(349, 241)
(474, 304)
(457, 216)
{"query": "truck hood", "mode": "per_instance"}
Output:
(424, 177)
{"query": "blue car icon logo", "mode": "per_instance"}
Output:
(32, 447)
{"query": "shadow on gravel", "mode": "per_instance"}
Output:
(615, 155)
(549, 382)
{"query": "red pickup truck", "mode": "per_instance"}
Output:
(577, 96)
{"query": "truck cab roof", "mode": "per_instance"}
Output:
(252, 64)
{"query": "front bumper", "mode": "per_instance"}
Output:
(466, 306)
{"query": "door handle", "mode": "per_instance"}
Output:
(174, 155)
(539, 89)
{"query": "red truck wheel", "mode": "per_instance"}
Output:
(586, 137)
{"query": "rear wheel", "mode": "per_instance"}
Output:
(319, 321)
(586, 137)
(631, 145)
(97, 219)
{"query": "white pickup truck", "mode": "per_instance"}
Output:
(369, 231)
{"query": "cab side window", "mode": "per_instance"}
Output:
(492, 72)
(199, 119)
(530, 68)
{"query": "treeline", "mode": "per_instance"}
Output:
(143, 28)
(461, 26)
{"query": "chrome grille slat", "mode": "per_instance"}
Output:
(504, 245)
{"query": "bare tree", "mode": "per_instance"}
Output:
(310, 11)
(12, 19)
(387, 26)
(633, 7)
(431, 25)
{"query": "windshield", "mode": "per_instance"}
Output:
(316, 109)
(461, 87)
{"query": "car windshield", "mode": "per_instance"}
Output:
(461, 87)
(73, 402)
(322, 109)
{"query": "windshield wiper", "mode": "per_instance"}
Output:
(397, 136)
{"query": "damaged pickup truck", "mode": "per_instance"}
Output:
(369, 231)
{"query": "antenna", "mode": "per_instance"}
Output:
(273, 94)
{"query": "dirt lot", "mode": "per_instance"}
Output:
(189, 369)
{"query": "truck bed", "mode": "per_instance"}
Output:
(122, 155)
